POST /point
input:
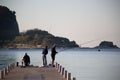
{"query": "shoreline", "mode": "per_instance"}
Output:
(57, 48)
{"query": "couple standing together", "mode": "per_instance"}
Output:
(45, 52)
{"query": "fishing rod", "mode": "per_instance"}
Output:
(65, 49)
(87, 42)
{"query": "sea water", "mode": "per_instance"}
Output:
(84, 64)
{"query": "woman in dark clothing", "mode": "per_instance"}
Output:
(53, 53)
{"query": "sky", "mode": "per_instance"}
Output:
(88, 22)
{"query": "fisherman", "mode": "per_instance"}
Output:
(26, 59)
(44, 58)
(53, 53)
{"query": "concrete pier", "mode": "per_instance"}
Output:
(15, 72)
(33, 73)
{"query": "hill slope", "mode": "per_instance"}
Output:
(42, 38)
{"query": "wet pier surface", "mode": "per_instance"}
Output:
(34, 73)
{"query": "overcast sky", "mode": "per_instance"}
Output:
(88, 22)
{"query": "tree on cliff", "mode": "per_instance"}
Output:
(8, 25)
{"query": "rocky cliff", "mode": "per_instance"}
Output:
(8, 25)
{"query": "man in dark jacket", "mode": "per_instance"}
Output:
(26, 59)
(53, 53)
(44, 53)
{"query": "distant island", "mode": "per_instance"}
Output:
(106, 44)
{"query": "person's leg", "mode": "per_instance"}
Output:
(53, 58)
(45, 60)
(25, 63)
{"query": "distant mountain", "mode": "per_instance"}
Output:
(8, 25)
(34, 38)
(106, 44)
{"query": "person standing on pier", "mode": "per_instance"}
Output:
(26, 59)
(44, 57)
(53, 53)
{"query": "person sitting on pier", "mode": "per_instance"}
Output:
(44, 58)
(26, 59)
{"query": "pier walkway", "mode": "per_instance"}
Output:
(34, 73)
(15, 72)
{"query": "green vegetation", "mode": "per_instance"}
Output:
(38, 38)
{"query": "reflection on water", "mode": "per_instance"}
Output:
(84, 64)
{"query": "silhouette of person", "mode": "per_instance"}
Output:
(53, 53)
(44, 57)
(26, 59)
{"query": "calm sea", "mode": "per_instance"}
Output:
(84, 64)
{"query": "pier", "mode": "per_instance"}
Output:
(15, 72)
